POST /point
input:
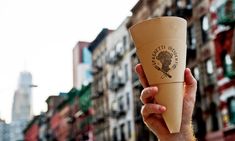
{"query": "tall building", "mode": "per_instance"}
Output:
(119, 84)
(22, 98)
(4, 131)
(99, 86)
(81, 64)
(21, 109)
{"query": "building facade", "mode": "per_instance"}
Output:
(21, 109)
(84, 125)
(119, 84)
(69, 117)
(100, 95)
(81, 64)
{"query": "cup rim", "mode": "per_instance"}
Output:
(155, 18)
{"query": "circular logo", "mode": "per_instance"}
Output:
(165, 59)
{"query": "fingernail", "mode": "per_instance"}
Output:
(163, 108)
(155, 88)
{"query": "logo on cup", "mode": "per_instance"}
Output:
(165, 59)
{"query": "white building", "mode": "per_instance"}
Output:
(21, 109)
(120, 86)
(4, 131)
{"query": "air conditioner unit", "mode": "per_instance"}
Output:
(113, 81)
(120, 50)
(122, 108)
(111, 57)
(121, 78)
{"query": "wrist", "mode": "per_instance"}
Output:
(185, 134)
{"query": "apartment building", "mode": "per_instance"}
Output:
(99, 86)
(119, 84)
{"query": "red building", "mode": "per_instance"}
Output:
(224, 43)
(31, 133)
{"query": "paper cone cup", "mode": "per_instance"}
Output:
(161, 47)
(171, 96)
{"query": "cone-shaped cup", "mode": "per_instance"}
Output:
(161, 47)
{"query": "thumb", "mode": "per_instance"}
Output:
(190, 87)
(190, 82)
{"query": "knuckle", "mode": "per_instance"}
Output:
(143, 92)
(141, 95)
(143, 108)
(145, 120)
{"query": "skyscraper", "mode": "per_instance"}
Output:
(22, 99)
(21, 109)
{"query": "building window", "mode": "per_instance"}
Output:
(191, 37)
(231, 109)
(121, 104)
(210, 77)
(120, 50)
(226, 13)
(214, 118)
(129, 129)
(122, 127)
(125, 41)
(228, 66)
(128, 100)
(132, 46)
(126, 72)
(191, 44)
(115, 134)
(209, 67)
(204, 28)
(196, 73)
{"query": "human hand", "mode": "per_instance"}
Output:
(152, 111)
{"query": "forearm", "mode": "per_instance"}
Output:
(185, 134)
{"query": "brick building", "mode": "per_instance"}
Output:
(31, 133)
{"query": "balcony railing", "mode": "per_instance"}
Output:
(120, 50)
(115, 54)
(118, 113)
(117, 80)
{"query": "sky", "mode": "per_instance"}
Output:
(38, 36)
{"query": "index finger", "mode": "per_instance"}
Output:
(142, 77)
